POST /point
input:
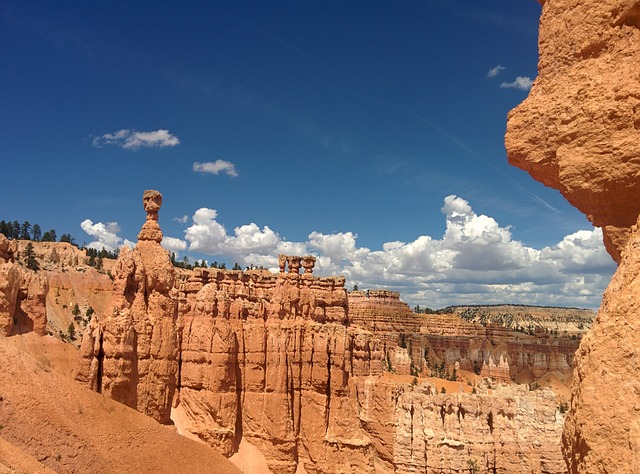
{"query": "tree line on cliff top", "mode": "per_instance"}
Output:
(26, 231)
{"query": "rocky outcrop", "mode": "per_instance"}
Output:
(269, 359)
(602, 433)
(51, 255)
(22, 294)
(31, 310)
(578, 132)
(492, 350)
(414, 429)
(382, 311)
(130, 353)
(556, 320)
(420, 343)
(9, 285)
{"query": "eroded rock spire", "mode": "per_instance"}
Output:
(131, 352)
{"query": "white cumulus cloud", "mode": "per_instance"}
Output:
(173, 244)
(216, 167)
(105, 234)
(521, 82)
(132, 139)
(476, 260)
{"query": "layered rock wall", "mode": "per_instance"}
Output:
(382, 311)
(511, 430)
(274, 361)
(492, 350)
(269, 358)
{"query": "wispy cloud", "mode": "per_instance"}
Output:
(522, 83)
(216, 167)
(181, 220)
(458, 142)
(132, 139)
(493, 72)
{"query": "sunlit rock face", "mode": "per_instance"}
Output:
(274, 361)
(579, 132)
(131, 352)
(22, 294)
(269, 358)
(9, 284)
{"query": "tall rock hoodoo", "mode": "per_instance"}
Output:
(579, 132)
(131, 352)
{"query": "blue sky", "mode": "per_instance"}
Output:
(367, 133)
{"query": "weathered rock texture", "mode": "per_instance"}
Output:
(9, 285)
(578, 131)
(131, 352)
(51, 424)
(559, 321)
(602, 433)
(269, 358)
(22, 294)
(416, 430)
(382, 311)
(420, 343)
(492, 350)
(273, 360)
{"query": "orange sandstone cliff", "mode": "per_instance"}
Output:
(579, 132)
(22, 294)
(274, 362)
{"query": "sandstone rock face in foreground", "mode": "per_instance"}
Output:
(579, 132)
(602, 432)
(131, 352)
(578, 129)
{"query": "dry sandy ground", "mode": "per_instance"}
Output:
(50, 423)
